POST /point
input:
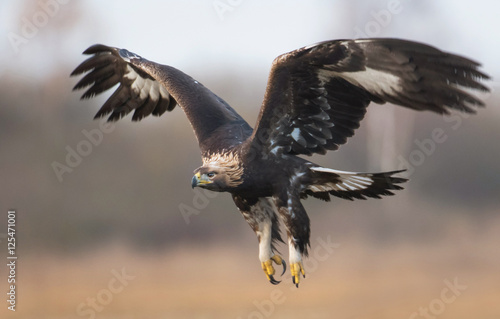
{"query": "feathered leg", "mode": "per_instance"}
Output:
(298, 230)
(260, 215)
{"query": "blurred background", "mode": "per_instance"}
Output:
(118, 232)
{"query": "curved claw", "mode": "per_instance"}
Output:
(297, 269)
(284, 267)
(268, 268)
(273, 281)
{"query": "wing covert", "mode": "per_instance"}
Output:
(317, 95)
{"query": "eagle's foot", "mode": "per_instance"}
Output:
(297, 269)
(268, 268)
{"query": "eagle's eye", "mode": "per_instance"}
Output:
(211, 175)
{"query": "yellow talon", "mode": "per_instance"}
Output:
(268, 268)
(297, 269)
(277, 259)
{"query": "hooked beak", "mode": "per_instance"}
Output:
(199, 180)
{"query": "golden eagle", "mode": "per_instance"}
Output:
(316, 97)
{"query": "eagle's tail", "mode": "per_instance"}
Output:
(349, 185)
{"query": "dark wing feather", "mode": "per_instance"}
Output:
(350, 185)
(149, 88)
(317, 95)
(137, 91)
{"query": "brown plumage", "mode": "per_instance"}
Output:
(315, 99)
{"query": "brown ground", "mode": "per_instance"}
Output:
(352, 281)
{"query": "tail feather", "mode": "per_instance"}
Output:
(349, 185)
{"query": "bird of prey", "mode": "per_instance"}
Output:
(316, 97)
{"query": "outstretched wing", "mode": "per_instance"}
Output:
(149, 88)
(138, 90)
(317, 95)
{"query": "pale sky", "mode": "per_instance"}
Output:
(242, 34)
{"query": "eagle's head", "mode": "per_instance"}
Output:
(219, 173)
(217, 179)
